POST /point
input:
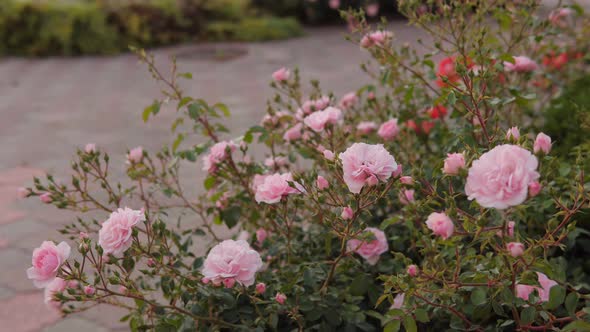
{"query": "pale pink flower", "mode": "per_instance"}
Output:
(328, 155)
(453, 163)
(398, 171)
(371, 250)
(281, 75)
(511, 225)
(122, 289)
(135, 155)
(524, 291)
(398, 301)
(557, 16)
(372, 9)
(322, 183)
(334, 4)
(408, 180)
(513, 134)
(218, 153)
(83, 235)
(406, 196)
(276, 186)
(366, 164)
(89, 290)
(261, 235)
(317, 121)
(388, 130)
(260, 288)
(412, 270)
(22, 192)
(515, 249)
(73, 284)
(293, 133)
(377, 38)
(278, 161)
(348, 100)
(46, 261)
(232, 260)
(229, 282)
(522, 64)
(542, 144)
(366, 127)
(46, 198)
(500, 177)
(440, 224)
(280, 298)
(534, 188)
(90, 148)
(56, 286)
(347, 213)
(115, 234)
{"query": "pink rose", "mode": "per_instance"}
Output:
(511, 225)
(522, 64)
(372, 9)
(542, 144)
(328, 155)
(377, 38)
(524, 291)
(398, 171)
(440, 224)
(366, 164)
(317, 121)
(453, 163)
(115, 234)
(348, 100)
(388, 130)
(406, 180)
(534, 188)
(122, 289)
(372, 250)
(406, 196)
(56, 286)
(234, 260)
(281, 75)
(135, 155)
(412, 270)
(293, 133)
(45, 198)
(366, 127)
(47, 259)
(280, 298)
(22, 192)
(89, 290)
(513, 134)
(261, 235)
(515, 249)
(274, 187)
(557, 16)
(347, 213)
(218, 153)
(278, 161)
(260, 288)
(90, 148)
(229, 282)
(500, 177)
(398, 301)
(322, 183)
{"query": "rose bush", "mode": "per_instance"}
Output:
(451, 212)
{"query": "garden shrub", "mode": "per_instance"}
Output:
(255, 29)
(427, 199)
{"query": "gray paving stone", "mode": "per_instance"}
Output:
(74, 324)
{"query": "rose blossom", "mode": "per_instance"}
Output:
(407, 180)
(371, 251)
(135, 155)
(280, 298)
(366, 164)
(524, 291)
(22, 192)
(89, 290)
(90, 148)
(261, 235)
(372, 9)
(555, 61)
(56, 286)
(412, 270)
(281, 75)
(500, 177)
(217, 154)
(542, 143)
(398, 171)
(366, 127)
(522, 64)
(348, 100)
(115, 234)
(293, 133)
(278, 161)
(557, 16)
(398, 301)
(46, 261)
(317, 121)
(406, 196)
(45, 198)
(334, 4)
(328, 155)
(513, 134)
(274, 187)
(233, 260)
(534, 188)
(515, 249)
(446, 69)
(322, 183)
(377, 38)
(260, 288)
(453, 163)
(388, 130)
(347, 213)
(438, 111)
(440, 224)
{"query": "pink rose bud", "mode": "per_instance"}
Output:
(406, 196)
(83, 235)
(513, 134)
(322, 183)
(22, 192)
(372, 9)
(440, 224)
(534, 188)
(261, 235)
(151, 262)
(334, 4)
(453, 163)
(412, 270)
(45, 198)
(542, 144)
(366, 127)
(329, 155)
(90, 148)
(388, 130)
(293, 133)
(89, 290)
(73, 284)
(229, 282)
(280, 298)
(135, 155)
(398, 171)
(372, 181)
(347, 213)
(511, 225)
(260, 288)
(406, 180)
(122, 289)
(281, 75)
(205, 280)
(371, 95)
(522, 64)
(516, 249)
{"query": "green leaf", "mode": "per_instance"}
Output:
(359, 285)
(421, 315)
(223, 109)
(451, 98)
(478, 296)
(231, 216)
(188, 76)
(556, 297)
(392, 326)
(571, 301)
(410, 324)
(527, 315)
(177, 142)
(152, 109)
(209, 182)
(577, 326)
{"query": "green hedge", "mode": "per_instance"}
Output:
(105, 27)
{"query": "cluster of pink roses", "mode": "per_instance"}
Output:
(218, 153)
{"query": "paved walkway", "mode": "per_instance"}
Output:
(49, 107)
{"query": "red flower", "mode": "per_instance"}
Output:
(437, 111)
